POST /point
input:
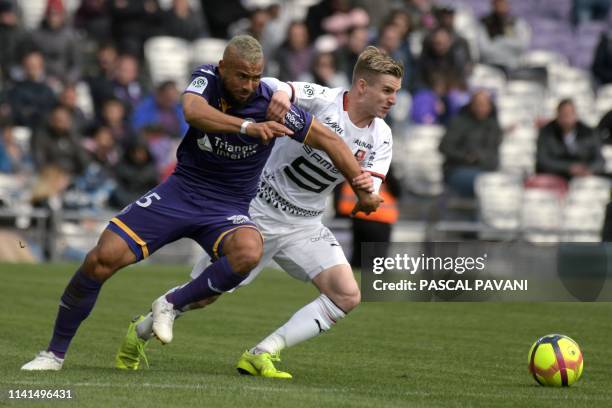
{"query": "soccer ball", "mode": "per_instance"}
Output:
(555, 360)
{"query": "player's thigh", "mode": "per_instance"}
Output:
(338, 283)
(309, 251)
(161, 216)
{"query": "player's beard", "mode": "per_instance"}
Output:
(231, 99)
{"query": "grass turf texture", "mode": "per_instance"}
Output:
(385, 354)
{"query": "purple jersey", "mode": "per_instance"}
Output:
(224, 164)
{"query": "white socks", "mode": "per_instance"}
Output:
(308, 322)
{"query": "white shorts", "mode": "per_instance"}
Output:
(303, 251)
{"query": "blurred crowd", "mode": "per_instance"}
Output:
(81, 119)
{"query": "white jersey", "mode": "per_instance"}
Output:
(297, 178)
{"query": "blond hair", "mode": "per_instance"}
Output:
(245, 47)
(373, 61)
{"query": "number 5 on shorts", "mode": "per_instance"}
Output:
(146, 200)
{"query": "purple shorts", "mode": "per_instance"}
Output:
(173, 210)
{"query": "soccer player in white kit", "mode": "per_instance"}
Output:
(290, 202)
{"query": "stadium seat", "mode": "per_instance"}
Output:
(400, 111)
(168, 58)
(585, 206)
(487, 77)
(516, 158)
(418, 161)
(541, 215)
(606, 151)
(32, 12)
(499, 199)
(207, 51)
(547, 182)
(542, 58)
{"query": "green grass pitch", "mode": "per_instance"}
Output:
(383, 355)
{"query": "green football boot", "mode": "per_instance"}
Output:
(260, 365)
(132, 349)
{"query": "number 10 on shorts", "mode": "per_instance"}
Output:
(148, 199)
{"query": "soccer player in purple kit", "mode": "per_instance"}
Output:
(207, 198)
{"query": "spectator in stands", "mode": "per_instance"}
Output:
(11, 36)
(391, 40)
(421, 13)
(296, 55)
(12, 158)
(126, 85)
(132, 22)
(31, 99)
(100, 80)
(58, 43)
(567, 147)
(162, 109)
(460, 49)
(102, 147)
(429, 104)
(502, 37)
(602, 62)
(93, 17)
(605, 128)
(471, 144)
(358, 40)
(589, 10)
(318, 13)
(135, 174)
(325, 72)
(92, 190)
(183, 22)
(57, 145)
(438, 56)
(220, 18)
(114, 117)
(378, 10)
(68, 99)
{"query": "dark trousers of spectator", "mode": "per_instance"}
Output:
(369, 231)
(461, 180)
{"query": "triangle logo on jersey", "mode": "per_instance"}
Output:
(204, 144)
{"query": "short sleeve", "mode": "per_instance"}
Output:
(309, 96)
(299, 121)
(378, 160)
(203, 81)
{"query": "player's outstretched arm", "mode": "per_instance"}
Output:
(320, 137)
(198, 113)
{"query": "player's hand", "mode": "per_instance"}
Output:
(364, 182)
(266, 131)
(278, 107)
(367, 203)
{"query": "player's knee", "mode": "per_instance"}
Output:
(348, 299)
(245, 257)
(246, 260)
(101, 263)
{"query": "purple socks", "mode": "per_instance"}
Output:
(216, 279)
(75, 305)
